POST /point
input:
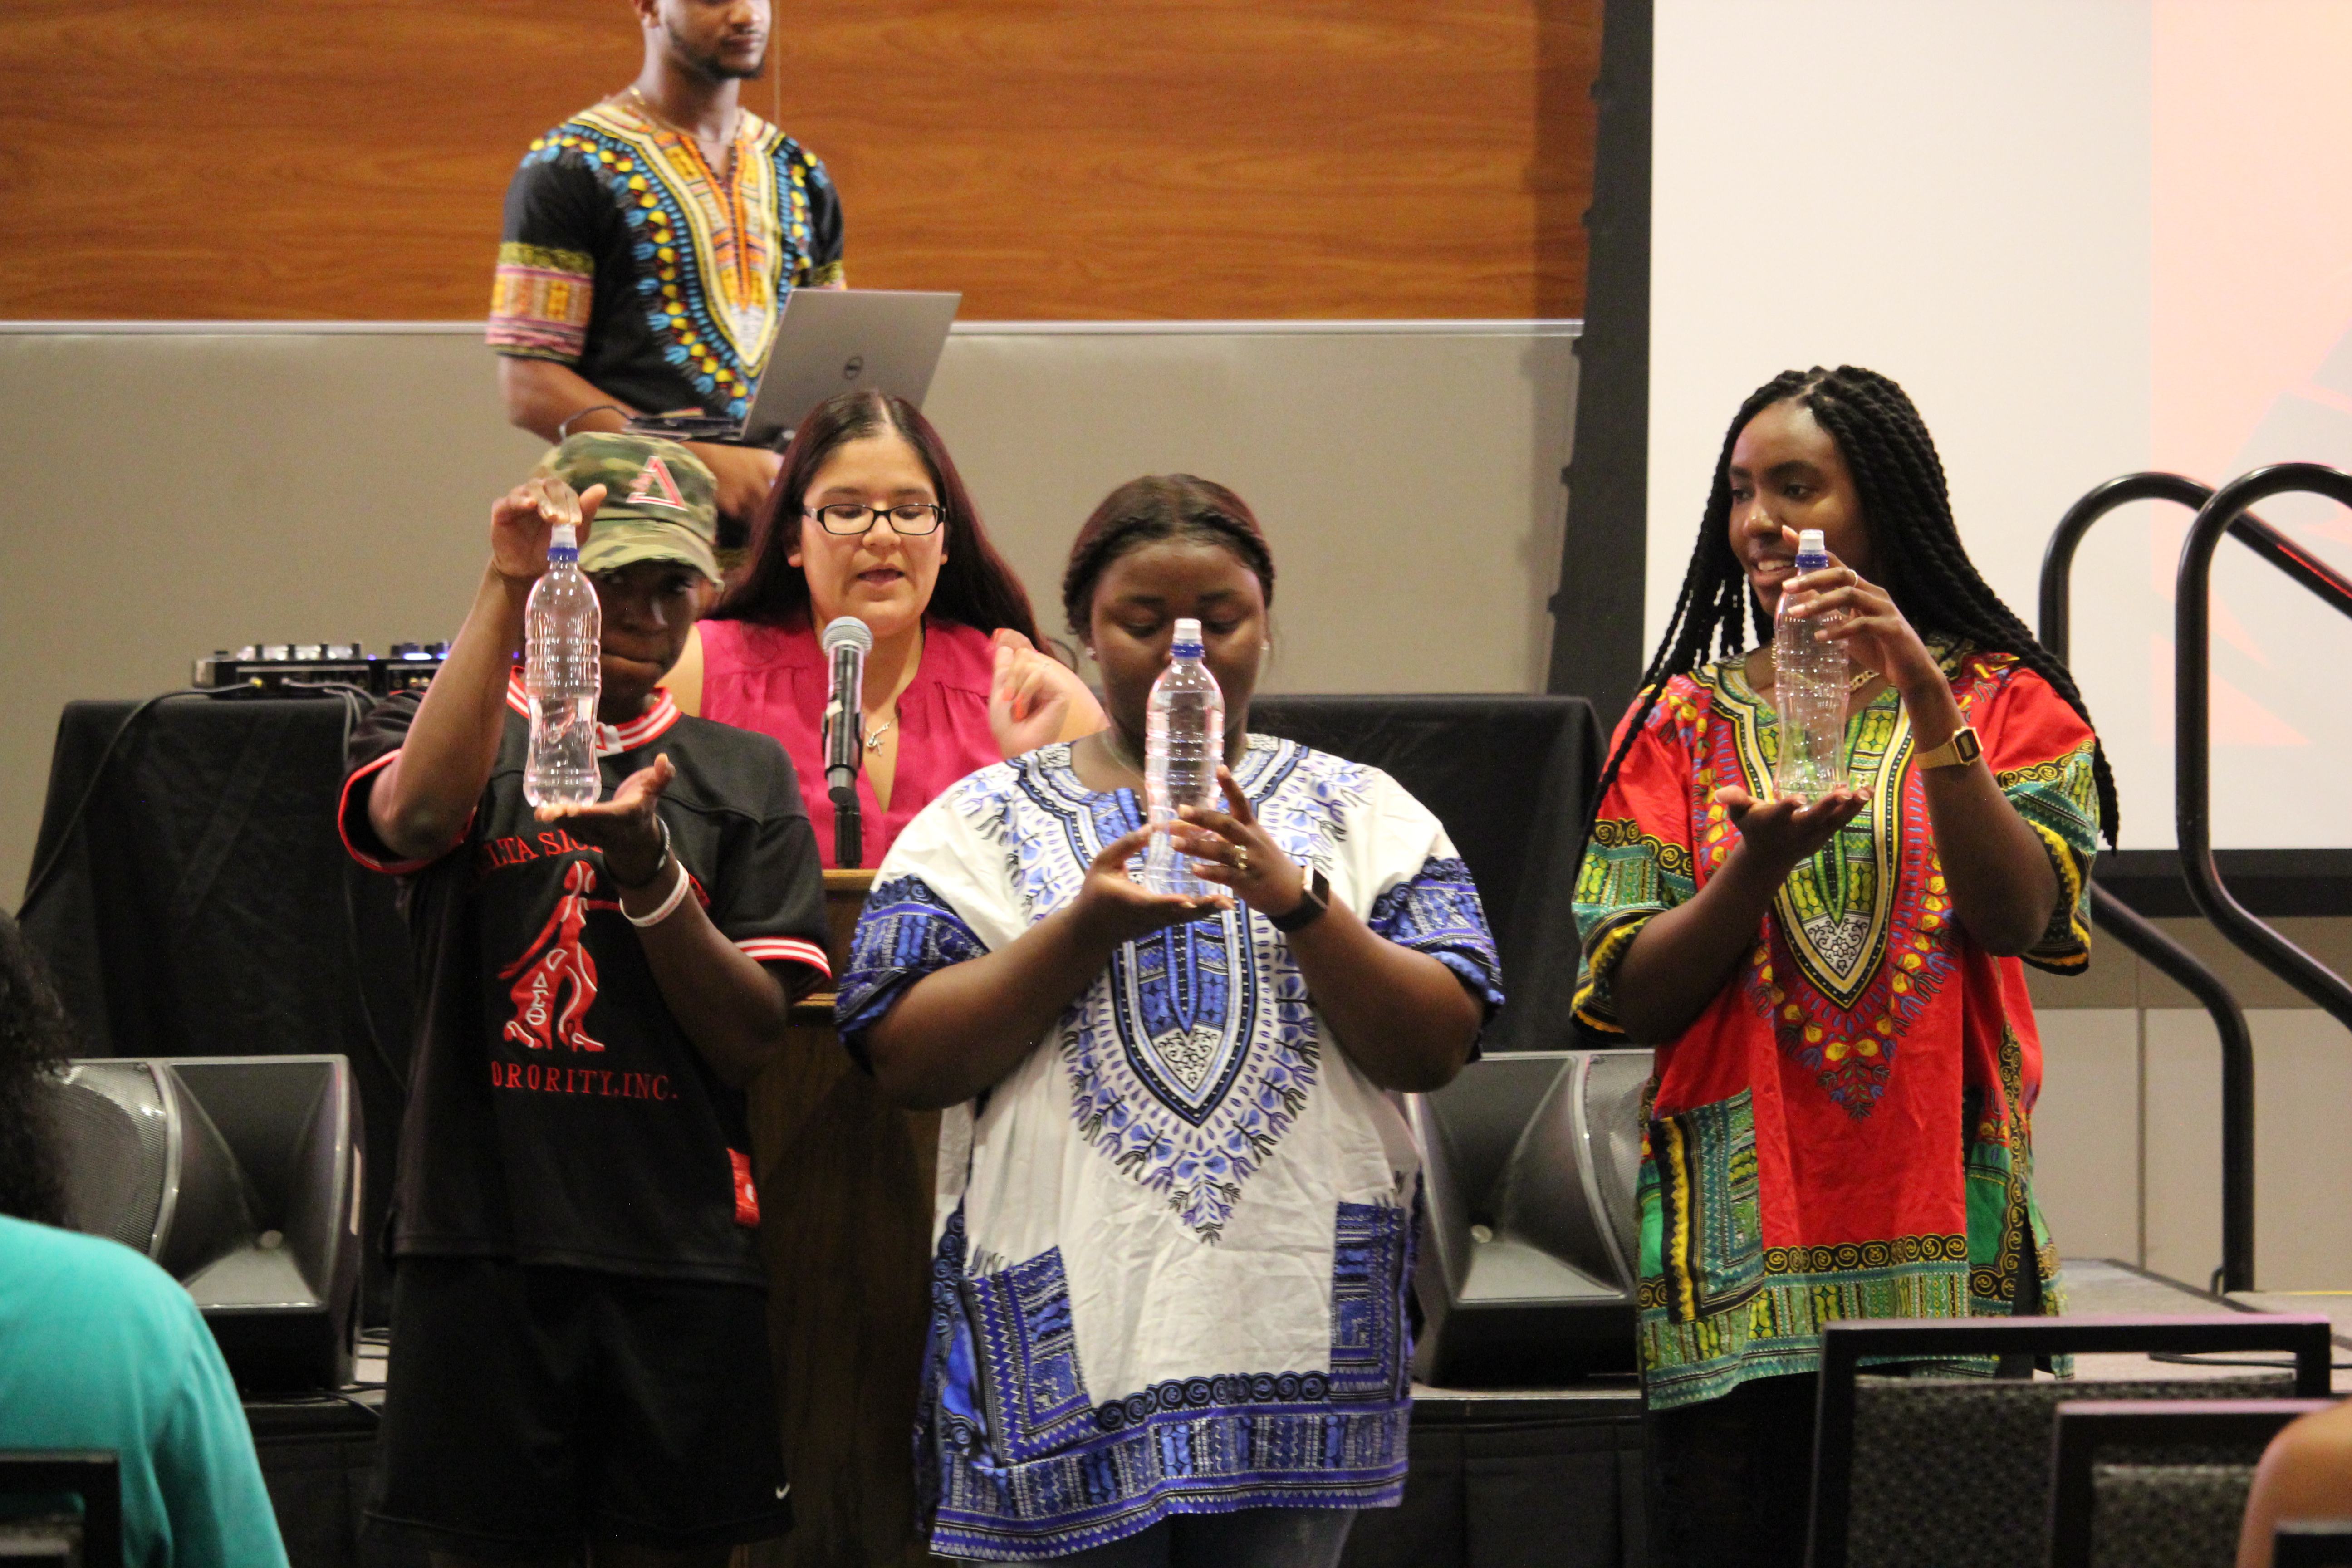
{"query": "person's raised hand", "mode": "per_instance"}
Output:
(1785, 830)
(1029, 695)
(745, 476)
(1862, 617)
(1113, 907)
(626, 827)
(1230, 847)
(521, 520)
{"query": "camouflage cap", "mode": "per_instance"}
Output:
(661, 504)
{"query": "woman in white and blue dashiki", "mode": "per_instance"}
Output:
(1177, 1208)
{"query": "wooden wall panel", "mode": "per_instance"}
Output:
(1054, 159)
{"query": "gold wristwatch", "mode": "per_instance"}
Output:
(1957, 753)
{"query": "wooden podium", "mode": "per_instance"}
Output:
(845, 1182)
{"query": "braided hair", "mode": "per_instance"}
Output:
(1156, 507)
(1905, 505)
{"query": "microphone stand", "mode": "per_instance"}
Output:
(846, 641)
(848, 831)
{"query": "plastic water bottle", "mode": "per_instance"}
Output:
(562, 635)
(1183, 742)
(1808, 687)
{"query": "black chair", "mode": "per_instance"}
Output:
(93, 1476)
(2313, 1543)
(1958, 1468)
(2158, 1481)
(1511, 778)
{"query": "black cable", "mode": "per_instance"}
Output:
(39, 881)
(356, 701)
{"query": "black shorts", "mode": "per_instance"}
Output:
(529, 1408)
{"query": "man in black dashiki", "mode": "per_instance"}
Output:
(650, 243)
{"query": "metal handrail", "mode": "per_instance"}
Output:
(2192, 704)
(2143, 936)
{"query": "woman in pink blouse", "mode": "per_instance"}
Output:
(868, 517)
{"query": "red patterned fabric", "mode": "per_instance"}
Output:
(1844, 1131)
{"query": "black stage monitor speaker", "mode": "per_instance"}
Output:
(1527, 1265)
(240, 1175)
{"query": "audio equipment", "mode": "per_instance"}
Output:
(1529, 1260)
(273, 666)
(240, 1175)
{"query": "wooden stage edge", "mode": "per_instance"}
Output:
(845, 1182)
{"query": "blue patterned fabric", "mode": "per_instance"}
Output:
(1179, 1234)
(905, 932)
(1436, 910)
(1024, 1467)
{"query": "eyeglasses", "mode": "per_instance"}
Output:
(909, 519)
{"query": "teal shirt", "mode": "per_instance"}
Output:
(100, 1349)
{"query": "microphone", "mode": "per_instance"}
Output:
(846, 641)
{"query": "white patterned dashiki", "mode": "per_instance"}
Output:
(1173, 1245)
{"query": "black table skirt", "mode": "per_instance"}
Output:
(197, 901)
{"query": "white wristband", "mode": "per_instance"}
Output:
(669, 906)
(676, 893)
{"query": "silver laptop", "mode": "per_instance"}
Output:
(832, 340)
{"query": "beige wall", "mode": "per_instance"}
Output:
(171, 493)
(2128, 1137)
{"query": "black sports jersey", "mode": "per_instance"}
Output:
(557, 1113)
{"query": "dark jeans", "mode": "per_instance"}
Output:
(1731, 1479)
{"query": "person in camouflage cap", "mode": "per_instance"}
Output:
(661, 502)
(578, 1293)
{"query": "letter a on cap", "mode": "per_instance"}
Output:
(656, 487)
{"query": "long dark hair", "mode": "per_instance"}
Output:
(1921, 562)
(975, 585)
(1156, 507)
(35, 1041)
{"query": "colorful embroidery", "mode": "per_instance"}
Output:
(1711, 1231)
(1022, 1468)
(1776, 1326)
(718, 257)
(1859, 966)
(540, 301)
(2005, 1235)
(1633, 876)
(2060, 801)
(1193, 1056)
(1436, 910)
(907, 932)
(1858, 944)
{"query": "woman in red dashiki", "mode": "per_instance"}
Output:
(1847, 1059)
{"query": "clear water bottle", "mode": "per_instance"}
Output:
(562, 633)
(1183, 742)
(1808, 688)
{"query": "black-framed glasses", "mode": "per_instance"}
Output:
(911, 518)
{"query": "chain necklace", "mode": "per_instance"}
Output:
(873, 742)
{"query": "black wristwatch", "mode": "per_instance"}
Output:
(1314, 901)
